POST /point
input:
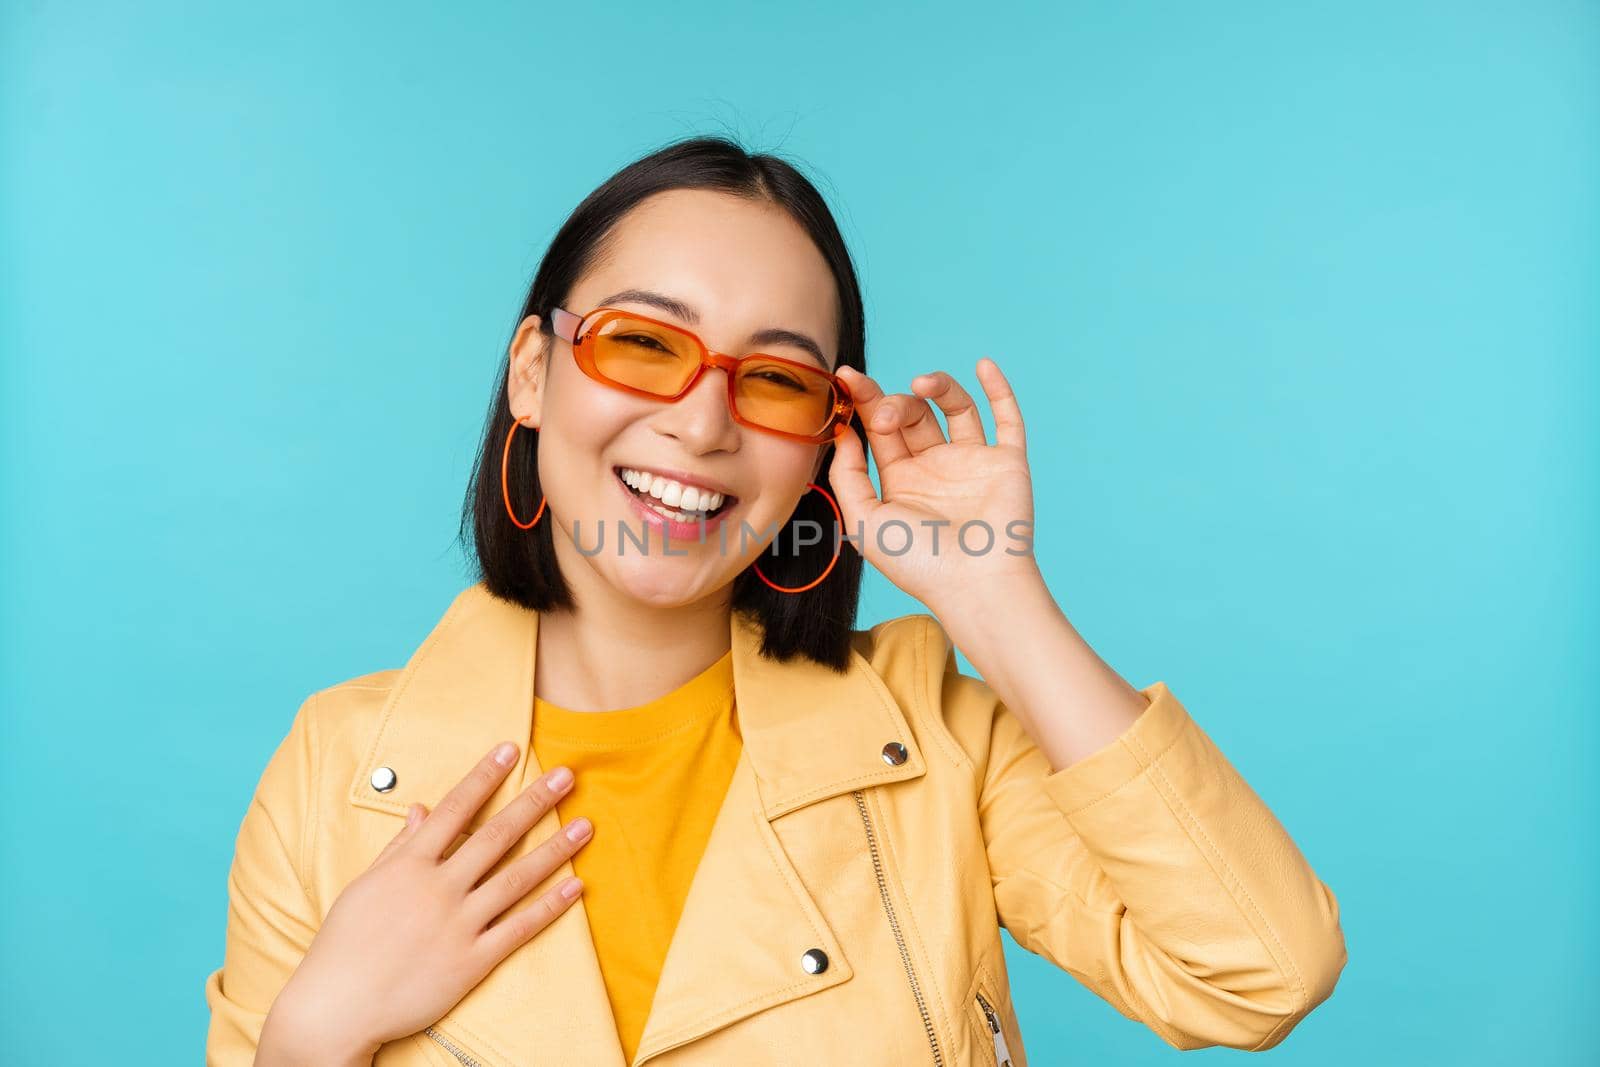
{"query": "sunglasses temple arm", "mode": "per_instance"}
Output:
(564, 324)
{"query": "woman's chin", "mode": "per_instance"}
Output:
(661, 583)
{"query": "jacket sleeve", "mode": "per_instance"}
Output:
(1150, 871)
(271, 919)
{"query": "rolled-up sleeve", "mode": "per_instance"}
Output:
(1152, 872)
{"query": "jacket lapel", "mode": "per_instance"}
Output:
(808, 734)
(468, 685)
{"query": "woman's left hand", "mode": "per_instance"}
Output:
(936, 487)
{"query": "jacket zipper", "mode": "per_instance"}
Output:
(894, 925)
(1002, 1054)
(451, 1047)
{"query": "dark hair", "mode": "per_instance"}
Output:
(520, 565)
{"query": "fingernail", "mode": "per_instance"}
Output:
(883, 417)
(505, 753)
(579, 829)
(571, 887)
(559, 779)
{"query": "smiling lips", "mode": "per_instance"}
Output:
(673, 499)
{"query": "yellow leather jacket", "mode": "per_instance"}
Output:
(848, 906)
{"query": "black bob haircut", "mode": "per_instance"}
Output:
(520, 565)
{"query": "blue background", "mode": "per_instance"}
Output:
(1300, 303)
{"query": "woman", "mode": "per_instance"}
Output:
(791, 841)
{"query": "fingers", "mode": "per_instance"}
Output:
(484, 848)
(439, 831)
(897, 421)
(414, 818)
(847, 472)
(525, 873)
(887, 444)
(960, 413)
(520, 927)
(900, 425)
(1003, 402)
(919, 427)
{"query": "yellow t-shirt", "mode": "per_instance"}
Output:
(651, 779)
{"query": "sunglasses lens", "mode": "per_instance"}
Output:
(642, 355)
(783, 397)
(655, 359)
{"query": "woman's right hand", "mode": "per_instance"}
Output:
(414, 932)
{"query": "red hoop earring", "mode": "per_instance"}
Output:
(505, 492)
(836, 545)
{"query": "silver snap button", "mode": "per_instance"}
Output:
(815, 961)
(384, 779)
(894, 753)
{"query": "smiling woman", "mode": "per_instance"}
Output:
(742, 256)
(671, 805)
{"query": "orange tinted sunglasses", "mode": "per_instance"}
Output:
(663, 361)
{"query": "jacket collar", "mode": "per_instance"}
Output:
(809, 734)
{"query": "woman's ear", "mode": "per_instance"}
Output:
(525, 371)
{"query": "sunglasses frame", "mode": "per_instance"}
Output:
(580, 331)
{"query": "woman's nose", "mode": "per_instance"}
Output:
(701, 418)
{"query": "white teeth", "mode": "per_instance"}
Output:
(690, 502)
(677, 516)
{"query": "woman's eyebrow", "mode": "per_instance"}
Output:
(772, 335)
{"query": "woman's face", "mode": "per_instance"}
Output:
(737, 268)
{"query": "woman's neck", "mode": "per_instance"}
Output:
(614, 652)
